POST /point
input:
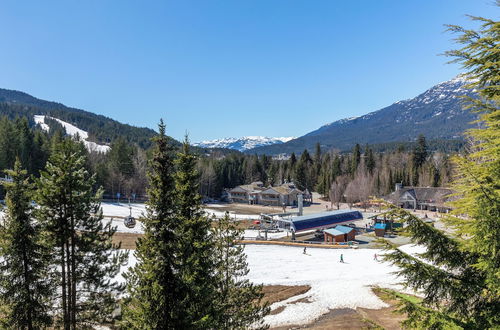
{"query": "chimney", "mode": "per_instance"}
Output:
(300, 201)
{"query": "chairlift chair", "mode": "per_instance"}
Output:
(129, 221)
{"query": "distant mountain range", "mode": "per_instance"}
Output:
(437, 113)
(244, 143)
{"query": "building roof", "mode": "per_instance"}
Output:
(436, 196)
(324, 219)
(339, 230)
(257, 187)
(380, 226)
(248, 187)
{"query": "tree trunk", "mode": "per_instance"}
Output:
(28, 291)
(73, 273)
(63, 285)
(69, 286)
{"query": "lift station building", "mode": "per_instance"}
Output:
(321, 220)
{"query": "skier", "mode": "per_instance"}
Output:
(305, 247)
(375, 257)
(341, 258)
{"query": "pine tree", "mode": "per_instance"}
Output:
(356, 158)
(25, 290)
(478, 172)
(239, 302)
(370, 160)
(420, 152)
(85, 257)
(196, 266)
(301, 177)
(317, 163)
(293, 160)
(8, 144)
(152, 283)
(25, 143)
(459, 275)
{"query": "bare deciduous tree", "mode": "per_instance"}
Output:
(360, 189)
(337, 190)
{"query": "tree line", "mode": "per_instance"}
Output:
(58, 263)
(340, 177)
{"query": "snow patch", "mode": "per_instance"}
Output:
(244, 143)
(40, 120)
(117, 211)
(73, 131)
(333, 284)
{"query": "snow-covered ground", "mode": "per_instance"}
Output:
(122, 209)
(73, 131)
(252, 234)
(220, 214)
(333, 284)
(119, 210)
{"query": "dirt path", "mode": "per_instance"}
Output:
(275, 293)
(127, 240)
(359, 318)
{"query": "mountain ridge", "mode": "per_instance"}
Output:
(101, 129)
(243, 143)
(437, 113)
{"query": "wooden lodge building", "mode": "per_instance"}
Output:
(421, 198)
(256, 193)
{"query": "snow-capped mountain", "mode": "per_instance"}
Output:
(438, 113)
(74, 131)
(244, 143)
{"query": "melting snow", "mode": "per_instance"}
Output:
(117, 211)
(73, 131)
(333, 284)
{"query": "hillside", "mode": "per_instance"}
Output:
(244, 143)
(101, 129)
(437, 113)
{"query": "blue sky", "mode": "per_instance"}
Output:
(229, 68)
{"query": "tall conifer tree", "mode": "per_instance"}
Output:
(25, 289)
(239, 302)
(86, 260)
(459, 275)
(152, 283)
(195, 246)
(356, 158)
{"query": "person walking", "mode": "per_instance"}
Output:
(342, 258)
(375, 257)
(305, 247)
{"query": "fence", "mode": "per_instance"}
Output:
(353, 245)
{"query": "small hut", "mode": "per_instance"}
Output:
(339, 234)
(380, 229)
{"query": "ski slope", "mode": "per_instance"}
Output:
(333, 284)
(73, 131)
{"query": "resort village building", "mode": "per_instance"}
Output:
(256, 193)
(421, 198)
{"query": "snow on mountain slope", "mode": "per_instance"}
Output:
(440, 96)
(73, 131)
(244, 143)
(438, 113)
